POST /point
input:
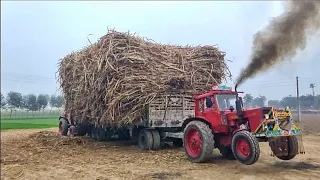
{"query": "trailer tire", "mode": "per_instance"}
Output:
(63, 127)
(156, 140)
(198, 141)
(226, 152)
(100, 133)
(82, 129)
(93, 133)
(145, 139)
(245, 147)
(72, 131)
(109, 133)
(293, 148)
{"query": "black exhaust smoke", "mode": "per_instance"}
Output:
(283, 37)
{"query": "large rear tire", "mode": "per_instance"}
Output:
(198, 141)
(292, 147)
(245, 147)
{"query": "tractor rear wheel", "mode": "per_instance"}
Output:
(292, 146)
(145, 139)
(226, 152)
(63, 127)
(245, 147)
(198, 141)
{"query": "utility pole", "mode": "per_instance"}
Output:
(298, 100)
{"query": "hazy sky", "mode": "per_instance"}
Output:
(35, 35)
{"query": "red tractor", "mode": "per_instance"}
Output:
(236, 132)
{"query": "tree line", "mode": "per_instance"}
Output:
(30, 102)
(307, 102)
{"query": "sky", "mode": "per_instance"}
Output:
(36, 35)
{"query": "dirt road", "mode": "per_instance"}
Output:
(34, 155)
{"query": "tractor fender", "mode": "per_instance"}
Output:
(238, 130)
(201, 119)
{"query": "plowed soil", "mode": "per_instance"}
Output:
(41, 154)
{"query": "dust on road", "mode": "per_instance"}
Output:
(32, 154)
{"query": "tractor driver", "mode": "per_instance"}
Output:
(209, 103)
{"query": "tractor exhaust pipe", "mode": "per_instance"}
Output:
(239, 103)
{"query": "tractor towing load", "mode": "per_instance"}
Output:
(200, 123)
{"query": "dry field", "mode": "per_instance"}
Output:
(31, 154)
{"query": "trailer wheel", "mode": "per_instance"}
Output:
(156, 140)
(109, 133)
(245, 148)
(100, 133)
(93, 133)
(82, 129)
(145, 139)
(293, 147)
(177, 142)
(63, 127)
(198, 141)
(72, 130)
(226, 152)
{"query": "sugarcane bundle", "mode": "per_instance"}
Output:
(112, 80)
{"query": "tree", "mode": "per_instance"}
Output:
(289, 101)
(259, 101)
(53, 101)
(3, 101)
(24, 102)
(32, 104)
(317, 103)
(307, 101)
(248, 100)
(14, 100)
(274, 103)
(42, 101)
(59, 101)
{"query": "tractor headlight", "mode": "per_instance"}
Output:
(266, 116)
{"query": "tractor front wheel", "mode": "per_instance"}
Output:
(198, 141)
(245, 147)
